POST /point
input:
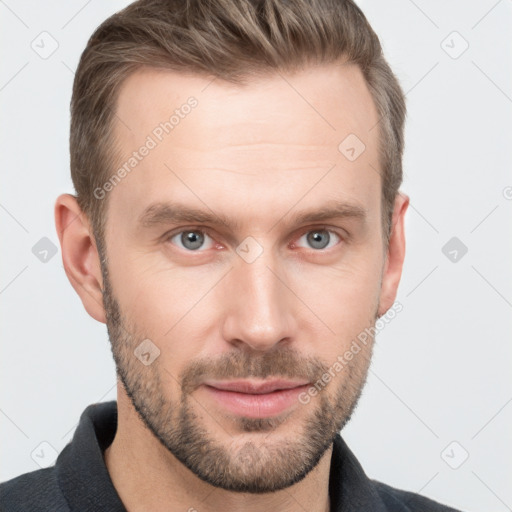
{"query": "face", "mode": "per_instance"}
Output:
(244, 244)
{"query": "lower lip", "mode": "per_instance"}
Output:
(257, 406)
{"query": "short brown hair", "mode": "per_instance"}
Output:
(231, 40)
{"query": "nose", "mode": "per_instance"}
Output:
(259, 312)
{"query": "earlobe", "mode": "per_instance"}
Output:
(79, 254)
(395, 255)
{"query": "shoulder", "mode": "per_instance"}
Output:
(405, 501)
(31, 492)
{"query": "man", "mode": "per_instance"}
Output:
(237, 224)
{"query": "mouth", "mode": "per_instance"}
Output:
(256, 399)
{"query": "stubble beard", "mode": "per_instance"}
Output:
(237, 466)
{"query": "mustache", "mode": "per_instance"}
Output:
(282, 363)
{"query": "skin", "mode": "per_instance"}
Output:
(258, 154)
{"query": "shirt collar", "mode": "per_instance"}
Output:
(81, 471)
(86, 484)
(350, 489)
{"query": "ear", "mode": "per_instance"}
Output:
(79, 255)
(394, 256)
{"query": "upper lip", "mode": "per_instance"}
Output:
(255, 387)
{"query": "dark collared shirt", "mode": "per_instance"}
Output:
(79, 481)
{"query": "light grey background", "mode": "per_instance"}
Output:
(441, 371)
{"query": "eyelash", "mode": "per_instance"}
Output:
(169, 236)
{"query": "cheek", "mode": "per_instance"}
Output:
(170, 306)
(344, 296)
(155, 294)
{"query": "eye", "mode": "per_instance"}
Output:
(320, 238)
(190, 239)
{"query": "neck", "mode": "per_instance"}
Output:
(148, 477)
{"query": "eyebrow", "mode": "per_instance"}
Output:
(172, 213)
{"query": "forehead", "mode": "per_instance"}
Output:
(268, 139)
(330, 98)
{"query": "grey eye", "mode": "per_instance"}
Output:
(319, 238)
(191, 239)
